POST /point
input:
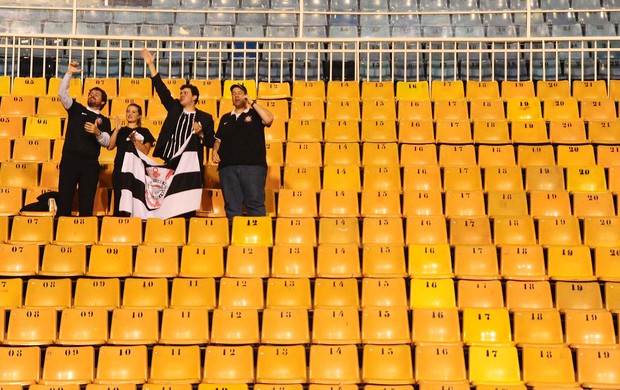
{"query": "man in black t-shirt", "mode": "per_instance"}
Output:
(87, 131)
(240, 151)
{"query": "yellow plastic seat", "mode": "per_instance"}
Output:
(435, 326)
(338, 203)
(476, 261)
(377, 90)
(528, 295)
(285, 326)
(422, 203)
(488, 109)
(63, 260)
(517, 230)
(20, 366)
(104, 293)
(338, 260)
(544, 178)
(494, 364)
(295, 231)
(110, 261)
(145, 293)
(184, 326)
(577, 295)
(430, 260)
(336, 325)
(121, 365)
(175, 364)
(293, 261)
(550, 204)
(422, 178)
(457, 155)
(134, 326)
(480, 90)
(383, 293)
(426, 230)
(345, 177)
(31, 326)
(462, 178)
(55, 293)
(18, 106)
(470, 230)
(135, 87)
(302, 178)
(268, 90)
(391, 364)
(389, 325)
(569, 262)
(586, 178)
(382, 178)
(597, 366)
(480, 294)
(288, 293)
(589, 327)
(29, 86)
(517, 89)
(336, 293)
(340, 130)
(446, 90)
(208, 231)
(506, 203)
(343, 90)
(586, 89)
(486, 326)
(118, 105)
(414, 155)
(234, 326)
(281, 364)
(226, 364)
(19, 174)
(193, 293)
(334, 364)
(20, 259)
(599, 109)
(537, 326)
(241, 293)
(412, 90)
(252, 231)
(247, 261)
(605, 264)
(304, 130)
(453, 131)
(67, 365)
(464, 203)
(523, 109)
(560, 109)
(493, 131)
(45, 127)
(107, 84)
(169, 231)
(432, 294)
(559, 231)
(79, 326)
(415, 110)
(548, 365)
(31, 150)
(380, 203)
(571, 131)
(303, 154)
(121, 230)
(529, 131)
(343, 109)
(378, 109)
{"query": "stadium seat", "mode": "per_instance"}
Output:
(281, 364)
(21, 365)
(435, 326)
(329, 364)
(134, 326)
(336, 325)
(83, 326)
(145, 293)
(31, 326)
(184, 326)
(523, 262)
(377, 357)
(121, 364)
(577, 295)
(285, 326)
(235, 326)
(597, 366)
(177, 364)
(225, 364)
(548, 365)
(66, 365)
(105, 293)
(385, 325)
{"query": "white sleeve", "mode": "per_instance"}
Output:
(63, 91)
(104, 139)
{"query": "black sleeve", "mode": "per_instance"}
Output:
(163, 92)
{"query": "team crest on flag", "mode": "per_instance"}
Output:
(153, 190)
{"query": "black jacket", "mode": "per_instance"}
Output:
(174, 108)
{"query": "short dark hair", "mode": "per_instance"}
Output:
(104, 96)
(193, 88)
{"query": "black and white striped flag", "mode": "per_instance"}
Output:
(153, 190)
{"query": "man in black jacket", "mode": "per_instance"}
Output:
(87, 131)
(183, 120)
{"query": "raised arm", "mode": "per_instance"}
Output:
(162, 90)
(63, 88)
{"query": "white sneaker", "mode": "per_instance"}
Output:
(51, 204)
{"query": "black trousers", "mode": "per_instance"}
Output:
(77, 172)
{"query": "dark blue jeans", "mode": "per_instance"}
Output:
(243, 184)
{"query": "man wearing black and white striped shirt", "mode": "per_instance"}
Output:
(183, 120)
